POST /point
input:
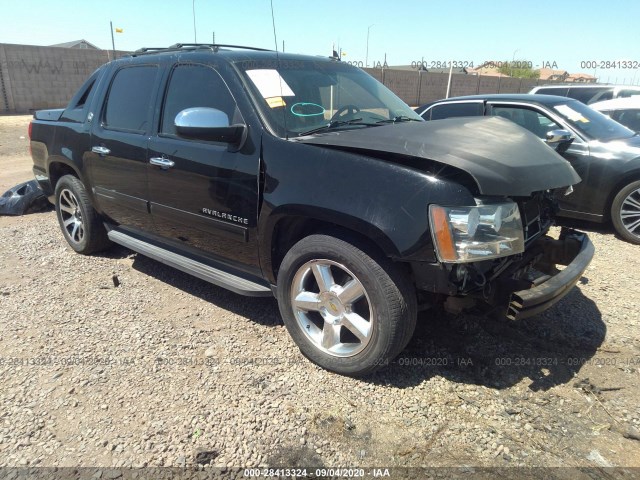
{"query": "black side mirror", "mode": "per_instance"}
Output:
(203, 123)
(559, 140)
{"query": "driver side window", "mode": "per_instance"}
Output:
(534, 121)
(195, 85)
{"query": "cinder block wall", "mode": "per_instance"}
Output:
(417, 88)
(33, 78)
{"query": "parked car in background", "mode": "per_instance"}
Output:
(604, 153)
(623, 110)
(588, 94)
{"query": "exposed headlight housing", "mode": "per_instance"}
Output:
(479, 232)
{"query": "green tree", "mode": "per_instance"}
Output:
(518, 69)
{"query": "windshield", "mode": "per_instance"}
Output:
(298, 97)
(591, 123)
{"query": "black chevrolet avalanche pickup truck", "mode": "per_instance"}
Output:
(304, 178)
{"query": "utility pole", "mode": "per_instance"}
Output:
(113, 42)
(449, 81)
(195, 36)
(513, 59)
(366, 57)
(213, 37)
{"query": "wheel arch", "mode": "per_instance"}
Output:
(288, 227)
(623, 181)
(58, 168)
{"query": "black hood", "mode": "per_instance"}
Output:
(503, 158)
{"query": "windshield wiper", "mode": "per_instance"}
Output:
(336, 124)
(398, 119)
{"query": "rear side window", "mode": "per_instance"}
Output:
(589, 95)
(629, 118)
(450, 110)
(628, 92)
(76, 110)
(602, 96)
(129, 101)
(562, 92)
(196, 86)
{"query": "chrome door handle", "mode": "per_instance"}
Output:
(162, 162)
(101, 150)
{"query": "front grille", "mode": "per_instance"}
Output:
(536, 216)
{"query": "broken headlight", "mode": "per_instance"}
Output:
(479, 232)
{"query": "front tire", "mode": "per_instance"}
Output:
(348, 311)
(79, 222)
(625, 212)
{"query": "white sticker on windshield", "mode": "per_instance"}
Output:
(270, 83)
(571, 114)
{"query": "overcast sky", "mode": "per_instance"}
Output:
(564, 33)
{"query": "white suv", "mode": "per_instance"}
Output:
(588, 93)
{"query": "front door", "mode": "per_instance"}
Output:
(205, 196)
(117, 160)
(539, 123)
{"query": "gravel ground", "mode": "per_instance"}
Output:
(167, 370)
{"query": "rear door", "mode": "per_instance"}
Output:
(119, 140)
(207, 200)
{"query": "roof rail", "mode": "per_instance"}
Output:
(179, 47)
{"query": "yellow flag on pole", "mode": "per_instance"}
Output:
(119, 30)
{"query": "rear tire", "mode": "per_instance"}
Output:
(625, 212)
(80, 223)
(348, 311)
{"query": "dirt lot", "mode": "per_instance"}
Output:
(166, 370)
(14, 151)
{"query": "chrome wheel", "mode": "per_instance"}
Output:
(630, 212)
(71, 215)
(332, 308)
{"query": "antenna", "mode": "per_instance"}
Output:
(273, 22)
(275, 40)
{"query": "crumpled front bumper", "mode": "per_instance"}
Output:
(575, 250)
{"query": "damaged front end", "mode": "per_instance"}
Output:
(538, 292)
(528, 284)
(519, 285)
